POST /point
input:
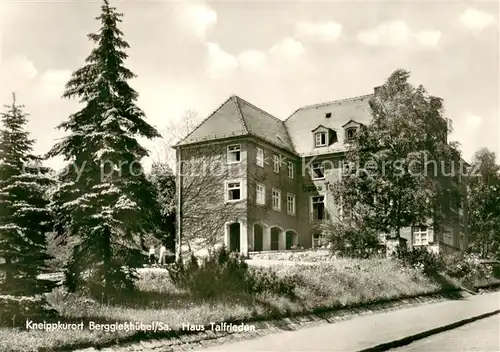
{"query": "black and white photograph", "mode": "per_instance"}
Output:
(261, 176)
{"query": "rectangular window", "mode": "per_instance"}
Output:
(461, 214)
(233, 154)
(350, 134)
(276, 199)
(448, 238)
(276, 164)
(320, 139)
(420, 237)
(318, 208)
(290, 204)
(233, 191)
(261, 194)
(291, 169)
(318, 171)
(319, 241)
(260, 157)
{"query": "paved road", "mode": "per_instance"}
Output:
(371, 330)
(480, 336)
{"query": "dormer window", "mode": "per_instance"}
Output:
(351, 129)
(350, 133)
(320, 139)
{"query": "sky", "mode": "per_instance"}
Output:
(277, 55)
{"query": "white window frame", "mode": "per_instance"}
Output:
(291, 169)
(276, 163)
(318, 136)
(322, 167)
(276, 196)
(290, 203)
(420, 237)
(262, 199)
(311, 206)
(233, 149)
(259, 158)
(227, 189)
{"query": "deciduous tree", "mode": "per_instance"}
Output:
(400, 170)
(484, 205)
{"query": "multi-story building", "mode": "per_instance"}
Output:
(254, 182)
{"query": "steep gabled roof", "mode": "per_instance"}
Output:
(264, 125)
(305, 119)
(321, 126)
(224, 122)
(237, 117)
(348, 122)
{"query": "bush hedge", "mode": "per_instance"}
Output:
(223, 273)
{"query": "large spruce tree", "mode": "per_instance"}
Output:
(24, 215)
(104, 199)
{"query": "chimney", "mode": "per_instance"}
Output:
(376, 89)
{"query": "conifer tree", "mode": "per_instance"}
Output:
(24, 215)
(104, 198)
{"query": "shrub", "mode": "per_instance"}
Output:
(469, 270)
(15, 310)
(419, 258)
(351, 241)
(263, 280)
(224, 274)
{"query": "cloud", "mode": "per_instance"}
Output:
(429, 38)
(20, 67)
(466, 131)
(396, 33)
(251, 59)
(391, 33)
(288, 47)
(319, 30)
(52, 82)
(198, 17)
(473, 120)
(476, 20)
(220, 63)
(17, 73)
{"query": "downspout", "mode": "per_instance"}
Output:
(178, 214)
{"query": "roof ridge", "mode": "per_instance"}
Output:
(234, 98)
(203, 121)
(261, 110)
(330, 102)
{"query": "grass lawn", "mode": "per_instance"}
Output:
(333, 284)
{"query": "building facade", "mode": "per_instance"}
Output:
(253, 182)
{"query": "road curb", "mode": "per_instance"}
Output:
(422, 335)
(178, 340)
